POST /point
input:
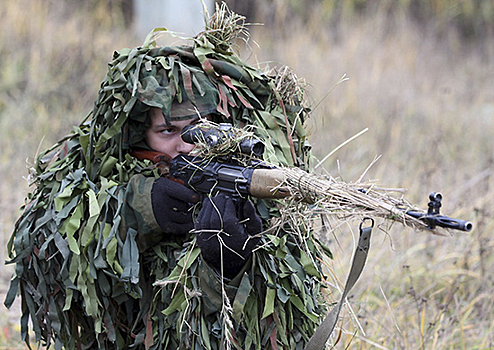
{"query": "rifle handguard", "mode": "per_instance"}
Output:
(266, 183)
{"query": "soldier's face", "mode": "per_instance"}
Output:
(166, 138)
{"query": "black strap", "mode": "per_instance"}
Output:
(321, 336)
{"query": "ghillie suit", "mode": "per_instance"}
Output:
(83, 280)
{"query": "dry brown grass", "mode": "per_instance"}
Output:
(429, 107)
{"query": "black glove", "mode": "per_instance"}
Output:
(171, 206)
(224, 232)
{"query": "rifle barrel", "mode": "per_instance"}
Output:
(442, 221)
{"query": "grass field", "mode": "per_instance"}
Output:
(427, 100)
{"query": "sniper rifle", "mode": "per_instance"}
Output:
(225, 173)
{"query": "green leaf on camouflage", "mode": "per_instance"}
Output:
(71, 225)
(308, 264)
(269, 303)
(241, 297)
(176, 304)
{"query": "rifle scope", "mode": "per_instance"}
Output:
(214, 136)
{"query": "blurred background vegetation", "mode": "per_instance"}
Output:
(421, 76)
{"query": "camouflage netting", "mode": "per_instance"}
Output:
(82, 280)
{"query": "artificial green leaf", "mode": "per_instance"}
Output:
(71, 225)
(269, 303)
(176, 303)
(241, 297)
(308, 264)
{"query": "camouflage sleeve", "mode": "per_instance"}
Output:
(138, 212)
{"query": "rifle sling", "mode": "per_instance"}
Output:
(322, 333)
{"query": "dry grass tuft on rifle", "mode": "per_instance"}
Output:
(307, 193)
(346, 201)
(214, 140)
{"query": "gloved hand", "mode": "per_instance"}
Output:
(171, 206)
(225, 233)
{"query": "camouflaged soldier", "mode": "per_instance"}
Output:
(111, 254)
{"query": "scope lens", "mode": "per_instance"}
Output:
(258, 149)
